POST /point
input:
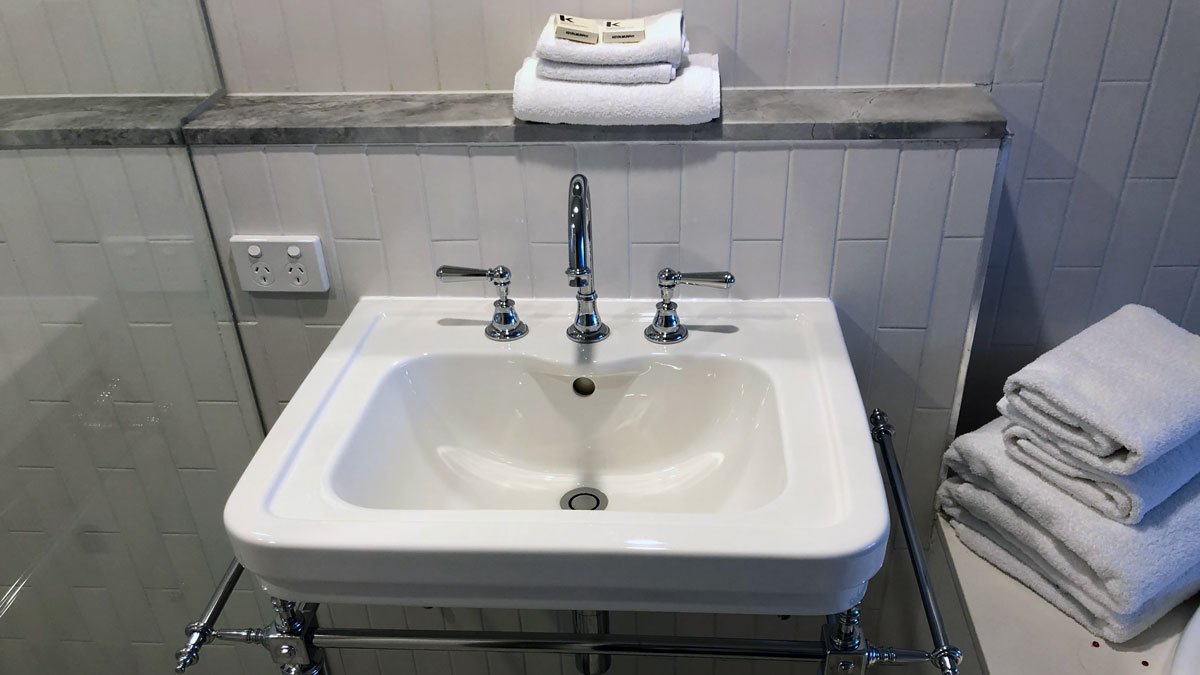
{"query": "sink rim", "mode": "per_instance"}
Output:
(266, 541)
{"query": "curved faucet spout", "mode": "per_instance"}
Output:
(579, 234)
(587, 327)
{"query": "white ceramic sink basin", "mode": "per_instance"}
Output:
(421, 463)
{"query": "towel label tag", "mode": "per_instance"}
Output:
(625, 31)
(576, 29)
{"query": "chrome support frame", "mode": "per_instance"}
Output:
(295, 642)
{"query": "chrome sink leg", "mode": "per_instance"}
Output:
(289, 638)
(591, 623)
(845, 631)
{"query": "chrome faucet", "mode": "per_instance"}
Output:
(588, 327)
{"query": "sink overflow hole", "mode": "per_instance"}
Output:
(584, 386)
(584, 499)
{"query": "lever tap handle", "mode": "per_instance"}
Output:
(668, 278)
(452, 273)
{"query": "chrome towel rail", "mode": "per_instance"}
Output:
(295, 641)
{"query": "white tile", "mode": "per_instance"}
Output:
(654, 175)
(33, 46)
(220, 218)
(816, 24)
(548, 262)
(503, 234)
(922, 190)
(412, 62)
(180, 47)
(893, 382)
(1039, 220)
(857, 279)
(645, 260)
(314, 44)
(712, 27)
(1168, 290)
(262, 39)
(107, 192)
(1068, 297)
(866, 51)
(759, 193)
(403, 225)
(1179, 243)
(449, 193)
(1191, 318)
(920, 43)
(1171, 108)
(463, 254)
(347, 185)
(132, 510)
(707, 213)
(1025, 40)
(73, 28)
(157, 473)
(247, 186)
(1133, 45)
(179, 417)
(1019, 103)
(1101, 176)
(127, 51)
(226, 40)
(505, 50)
(364, 270)
(868, 189)
(953, 292)
(762, 40)
(60, 197)
(284, 347)
(607, 169)
(161, 193)
(10, 78)
(755, 265)
(1070, 83)
(1131, 248)
(971, 192)
(362, 43)
(458, 44)
(547, 170)
(971, 44)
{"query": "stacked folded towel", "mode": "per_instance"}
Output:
(654, 81)
(1086, 488)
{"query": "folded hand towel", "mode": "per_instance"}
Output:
(1114, 579)
(1118, 395)
(693, 98)
(665, 42)
(1124, 498)
(642, 73)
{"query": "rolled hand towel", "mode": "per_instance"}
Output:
(643, 73)
(665, 43)
(1124, 498)
(1117, 396)
(693, 98)
(1114, 579)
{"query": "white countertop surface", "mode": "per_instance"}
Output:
(1018, 632)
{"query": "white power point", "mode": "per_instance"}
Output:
(279, 264)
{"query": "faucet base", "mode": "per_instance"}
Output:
(581, 337)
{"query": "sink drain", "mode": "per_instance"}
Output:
(584, 499)
(584, 386)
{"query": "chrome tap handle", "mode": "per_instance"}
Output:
(707, 279)
(666, 328)
(505, 325)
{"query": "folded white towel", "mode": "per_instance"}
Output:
(665, 42)
(693, 98)
(1117, 396)
(1114, 579)
(642, 73)
(1124, 498)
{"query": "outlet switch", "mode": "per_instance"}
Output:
(279, 264)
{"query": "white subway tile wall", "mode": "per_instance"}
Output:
(53, 47)
(126, 409)
(770, 213)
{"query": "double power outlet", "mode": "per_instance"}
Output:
(279, 263)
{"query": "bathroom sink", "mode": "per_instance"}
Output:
(421, 463)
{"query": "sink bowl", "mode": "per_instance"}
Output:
(421, 463)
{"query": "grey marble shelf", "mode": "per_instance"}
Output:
(82, 121)
(919, 113)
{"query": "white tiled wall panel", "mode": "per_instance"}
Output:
(773, 214)
(1101, 202)
(125, 407)
(51, 47)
